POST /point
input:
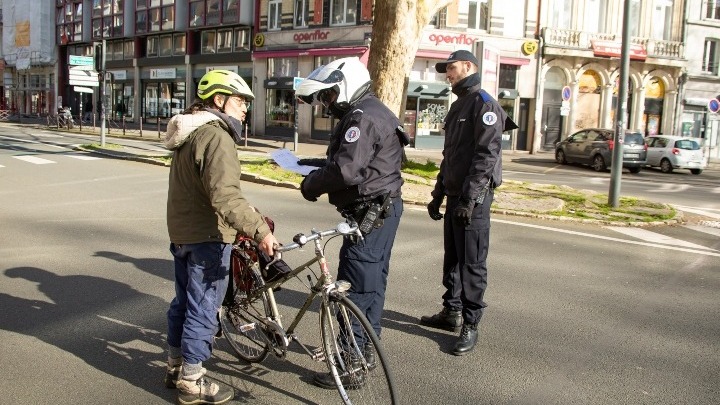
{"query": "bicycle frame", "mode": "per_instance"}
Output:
(323, 286)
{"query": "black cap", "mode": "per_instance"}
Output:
(441, 67)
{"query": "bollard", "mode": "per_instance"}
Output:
(123, 118)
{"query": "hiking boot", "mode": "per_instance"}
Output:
(171, 376)
(352, 381)
(173, 373)
(447, 319)
(468, 339)
(202, 391)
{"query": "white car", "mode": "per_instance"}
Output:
(670, 152)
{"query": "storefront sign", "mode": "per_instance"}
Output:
(259, 40)
(529, 47)
(311, 36)
(614, 49)
(438, 38)
(118, 74)
(167, 73)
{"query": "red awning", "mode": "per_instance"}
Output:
(289, 53)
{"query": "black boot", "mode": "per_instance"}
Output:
(467, 340)
(447, 319)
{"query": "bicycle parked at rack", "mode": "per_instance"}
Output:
(251, 321)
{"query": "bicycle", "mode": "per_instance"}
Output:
(251, 323)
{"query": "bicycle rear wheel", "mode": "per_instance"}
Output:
(354, 356)
(239, 320)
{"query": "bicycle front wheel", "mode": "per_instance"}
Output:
(239, 320)
(354, 356)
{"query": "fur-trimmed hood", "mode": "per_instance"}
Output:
(182, 125)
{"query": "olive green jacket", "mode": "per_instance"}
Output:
(205, 203)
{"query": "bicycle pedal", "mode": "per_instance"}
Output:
(247, 327)
(318, 354)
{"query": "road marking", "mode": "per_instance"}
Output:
(654, 237)
(704, 229)
(670, 188)
(521, 172)
(34, 160)
(700, 211)
(84, 157)
(609, 238)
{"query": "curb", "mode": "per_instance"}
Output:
(254, 178)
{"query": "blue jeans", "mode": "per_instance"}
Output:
(201, 279)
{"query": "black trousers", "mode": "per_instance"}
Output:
(464, 264)
(366, 265)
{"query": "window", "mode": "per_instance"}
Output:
(561, 14)
(713, 9)
(508, 76)
(635, 18)
(274, 14)
(152, 46)
(595, 15)
(166, 45)
(197, 13)
(129, 49)
(208, 42)
(212, 17)
(231, 11)
(242, 40)
(478, 15)
(439, 20)
(159, 16)
(282, 67)
(68, 20)
(179, 44)
(710, 56)
(662, 19)
(224, 41)
(107, 18)
(301, 13)
(342, 12)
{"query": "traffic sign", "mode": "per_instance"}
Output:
(297, 81)
(714, 105)
(83, 76)
(83, 89)
(566, 93)
(80, 60)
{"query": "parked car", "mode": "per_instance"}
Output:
(675, 152)
(594, 146)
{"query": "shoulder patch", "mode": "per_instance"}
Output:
(485, 96)
(489, 118)
(352, 134)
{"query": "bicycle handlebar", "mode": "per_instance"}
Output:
(300, 240)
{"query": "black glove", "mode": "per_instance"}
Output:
(304, 192)
(463, 211)
(433, 208)
(317, 162)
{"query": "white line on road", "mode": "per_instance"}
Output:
(589, 235)
(704, 229)
(700, 211)
(654, 237)
(34, 160)
(84, 157)
(670, 188)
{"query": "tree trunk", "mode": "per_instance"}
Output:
(397, 26)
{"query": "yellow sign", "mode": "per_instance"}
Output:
(529, 47)
(259, 40)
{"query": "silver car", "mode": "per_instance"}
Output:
(675, 152)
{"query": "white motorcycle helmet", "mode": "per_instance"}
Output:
(348, 77)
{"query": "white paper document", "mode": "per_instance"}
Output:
(288, 161)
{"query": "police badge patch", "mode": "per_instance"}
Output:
(489, 118)
(352, 134)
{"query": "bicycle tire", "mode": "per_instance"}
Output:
(358, 381)
(243, 332)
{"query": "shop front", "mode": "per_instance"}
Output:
(425, 110)
(121, 95)
(163, 94)
(280, 107)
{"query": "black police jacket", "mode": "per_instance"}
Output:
(364, 156)
(472, 155)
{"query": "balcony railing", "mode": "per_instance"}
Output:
(582, 40)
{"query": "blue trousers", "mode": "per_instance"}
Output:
(201, 279)
(465, 261)
(366, 265)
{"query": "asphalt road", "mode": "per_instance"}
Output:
(577, 313)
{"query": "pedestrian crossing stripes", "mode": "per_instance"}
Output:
(654, 237)
(36, 160)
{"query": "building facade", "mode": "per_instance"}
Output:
(701, 82)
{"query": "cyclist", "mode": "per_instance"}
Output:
(362, 171)
(205, 210)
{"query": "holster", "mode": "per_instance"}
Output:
(369, 214)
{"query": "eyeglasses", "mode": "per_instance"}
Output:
(240, 101)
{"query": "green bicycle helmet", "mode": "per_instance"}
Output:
(223, 82)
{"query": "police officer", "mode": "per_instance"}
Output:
(470, 171)
(362, 169)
